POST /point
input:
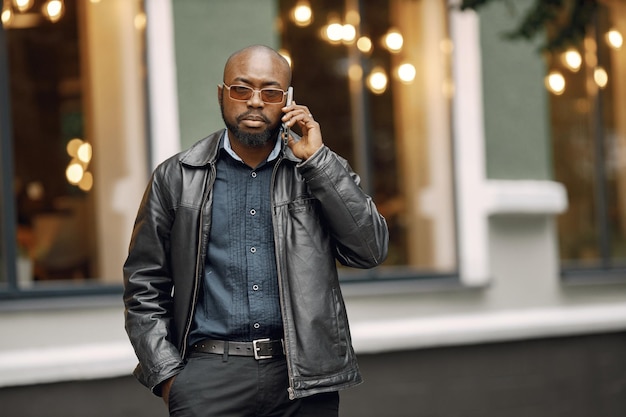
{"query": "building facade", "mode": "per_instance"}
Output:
(497, 164)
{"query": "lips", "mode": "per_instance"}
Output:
(254, 117)
(253, 120)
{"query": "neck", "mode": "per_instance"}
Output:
(252, 155)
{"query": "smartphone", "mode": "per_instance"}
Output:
(285, 127)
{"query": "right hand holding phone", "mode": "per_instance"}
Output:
(311, 138)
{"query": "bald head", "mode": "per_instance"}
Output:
(259, 53)
(253, 123)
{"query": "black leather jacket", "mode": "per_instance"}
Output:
(319, 214)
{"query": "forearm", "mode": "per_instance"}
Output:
(148, 293)
(148, 322)
(355, 223)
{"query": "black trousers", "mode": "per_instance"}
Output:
(239, 386)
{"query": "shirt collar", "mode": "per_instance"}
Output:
(226, 145)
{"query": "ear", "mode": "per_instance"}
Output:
(220, 93)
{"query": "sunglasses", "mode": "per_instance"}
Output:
(244, 93)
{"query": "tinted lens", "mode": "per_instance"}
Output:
(272, 95)
(240, 92)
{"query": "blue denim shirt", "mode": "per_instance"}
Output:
(239, 300)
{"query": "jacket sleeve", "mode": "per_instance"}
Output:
(359, 231)
(148, 288)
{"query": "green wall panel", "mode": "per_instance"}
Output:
(206, 32)
(516, 113)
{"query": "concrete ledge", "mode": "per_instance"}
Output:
(66, 363)
(486, 327)
(116, 358)
(524, 197)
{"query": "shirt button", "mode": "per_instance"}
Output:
(253, 212)
(256, 325)
(253, 174)
(255, 287)
(253, 249)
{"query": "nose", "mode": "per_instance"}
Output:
(255, 100)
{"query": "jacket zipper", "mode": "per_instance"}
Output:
(196, 284)
(290, 390)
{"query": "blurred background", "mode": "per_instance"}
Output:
(491, 134)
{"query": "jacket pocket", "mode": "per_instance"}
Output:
(340, 324)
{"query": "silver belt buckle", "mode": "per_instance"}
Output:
(257, 349)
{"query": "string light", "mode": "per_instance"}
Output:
(377, 80)
(614, 38)
(406, 73)
(348, 33)
(7, 14)
(394, 40)
(86, 182)
(601, 77)
(23, 5)
(72, 146)
(54, 10)
(301, 14)
(572, 59)
(334, 32)
(18, 13)
(84, 153)
(76, 172)
(364, 44)
(555, 83)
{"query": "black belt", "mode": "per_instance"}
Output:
(260, 348)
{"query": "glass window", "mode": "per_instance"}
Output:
(588, 117)
(6, 186)
(78, 136)
(376, 74)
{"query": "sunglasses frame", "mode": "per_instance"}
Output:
(254, 91)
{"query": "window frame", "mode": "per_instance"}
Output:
(605, 270)
(165, 140)
(8, 247)
(10, 287)
(472, 214)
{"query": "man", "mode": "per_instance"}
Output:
(232, 299)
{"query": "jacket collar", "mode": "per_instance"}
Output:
(204, 151)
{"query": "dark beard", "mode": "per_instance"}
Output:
(253, 140)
